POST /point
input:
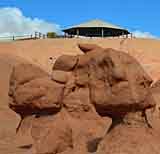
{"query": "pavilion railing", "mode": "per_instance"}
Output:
(38, 35)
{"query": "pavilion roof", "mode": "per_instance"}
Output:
(95, 24)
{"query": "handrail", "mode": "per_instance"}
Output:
(36, 35)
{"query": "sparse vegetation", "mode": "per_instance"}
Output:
(51, 35)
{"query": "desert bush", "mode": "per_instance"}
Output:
(51, 35)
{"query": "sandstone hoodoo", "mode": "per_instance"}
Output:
(70, 111)
(34, 92)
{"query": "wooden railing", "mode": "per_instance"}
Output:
(36, 35)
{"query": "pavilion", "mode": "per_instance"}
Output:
(96, 28)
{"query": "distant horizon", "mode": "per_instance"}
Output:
(139, 17)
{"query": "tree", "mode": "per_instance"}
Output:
(51, 35)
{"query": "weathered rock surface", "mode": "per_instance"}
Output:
(153, 114)
(23, 73)
(65, 63)
(88, 47)
(70, 111)
(34, 93)
(130, 138)
(52, 134)
(60, 76)
(118, 83)
(45, 130)
(9, 121)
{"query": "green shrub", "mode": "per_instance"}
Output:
(51, 35)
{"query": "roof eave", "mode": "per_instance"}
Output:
(95, 27)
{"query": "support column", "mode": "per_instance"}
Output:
(102, 32)
(77, 32)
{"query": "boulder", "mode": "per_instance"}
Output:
(117, 82)
(41, 95)
(65, 63)
(37, 95)
(23, 73)
(88, 47)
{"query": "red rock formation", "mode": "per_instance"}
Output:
(35, 92)
(130, 136)
(64, 113)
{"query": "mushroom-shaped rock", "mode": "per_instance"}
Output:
(117, 82)
(101, 82)
(39, 95)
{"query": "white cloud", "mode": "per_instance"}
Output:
(13, 22)
(141, 34)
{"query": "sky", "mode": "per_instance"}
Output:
(142, 17)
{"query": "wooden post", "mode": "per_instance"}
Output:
(39, 35)
(35, 35)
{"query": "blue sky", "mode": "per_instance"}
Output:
(136, 15)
